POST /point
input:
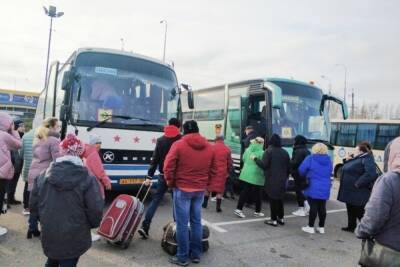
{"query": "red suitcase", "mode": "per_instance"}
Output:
(122, 218)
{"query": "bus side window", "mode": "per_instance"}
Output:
(386, 133)
(366, 132)
(347, 135)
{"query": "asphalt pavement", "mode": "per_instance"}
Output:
(233, 241)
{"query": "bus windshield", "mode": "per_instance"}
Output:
(125, 90)
(299, 114)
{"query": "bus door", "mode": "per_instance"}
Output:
(257, 113)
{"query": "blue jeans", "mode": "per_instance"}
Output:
(187, 206)
(33, 223)
(62, 263)
(156, 199)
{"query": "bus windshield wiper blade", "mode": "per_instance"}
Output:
(108, 117)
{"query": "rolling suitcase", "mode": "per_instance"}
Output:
(122, 218)
(169, 244)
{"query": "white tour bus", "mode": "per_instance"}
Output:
(123, 97)
(345, 135)
(272, 105)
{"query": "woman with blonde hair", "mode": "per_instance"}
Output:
(45, 150)
(317, 168)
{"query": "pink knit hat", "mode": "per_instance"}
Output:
(71, 145)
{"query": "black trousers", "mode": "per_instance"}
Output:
(250, 191)
(317, 207)
(353, 213)
(299, 192)
(26, 196)
(277, 209)
(300, 198)
(3, 190)
(12, 186)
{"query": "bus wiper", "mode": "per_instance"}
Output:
(108, 117)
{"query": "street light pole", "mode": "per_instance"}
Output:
(52, 13)
(165, 37)
(330, 82)
(345, 80)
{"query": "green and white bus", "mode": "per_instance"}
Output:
(345, 135)
(273, 105)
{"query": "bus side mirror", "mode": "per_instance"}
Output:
(345, 111)
(190, 99)
(190, 95)
(65, 85)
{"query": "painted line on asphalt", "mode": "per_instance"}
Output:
(217, 225)
(213, 226)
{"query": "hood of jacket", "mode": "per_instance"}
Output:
(195, 141)
(323, 160)
(255, 147)
(5, 121)
(54, 134)
(65, 175)
(171, 131)
(394, 156)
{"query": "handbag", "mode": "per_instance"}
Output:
(375, 254)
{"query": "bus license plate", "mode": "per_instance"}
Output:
(126, 181)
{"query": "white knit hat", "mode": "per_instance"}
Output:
(94, 139)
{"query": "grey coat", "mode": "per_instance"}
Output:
(382, 213)
(68, 202)
(276, 166)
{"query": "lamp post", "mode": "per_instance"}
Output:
(345, 79)
(329, 81)
(165, 37)
(52, 13)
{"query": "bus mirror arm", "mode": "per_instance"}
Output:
(326, 98)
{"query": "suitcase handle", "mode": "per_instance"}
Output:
(147, 191)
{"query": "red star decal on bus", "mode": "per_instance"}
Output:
(117, 138)
(136, 139)
(154, 140)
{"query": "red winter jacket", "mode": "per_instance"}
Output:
(189, 163)
(95, 167)
(223, 163)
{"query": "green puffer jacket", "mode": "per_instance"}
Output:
(251, 173)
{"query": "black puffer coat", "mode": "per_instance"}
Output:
(276, 166)
(68, 202)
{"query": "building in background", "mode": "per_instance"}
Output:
(21, 104)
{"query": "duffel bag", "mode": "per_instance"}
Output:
(169, 243)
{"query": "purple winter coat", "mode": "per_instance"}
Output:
(44, 152)
(7, 142)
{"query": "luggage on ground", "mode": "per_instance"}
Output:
(169, 243)
(122, 218)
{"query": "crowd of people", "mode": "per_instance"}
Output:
(68, 175)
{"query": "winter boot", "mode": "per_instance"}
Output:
(205, 202)
(219, 201)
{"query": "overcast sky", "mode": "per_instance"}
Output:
(218, 41)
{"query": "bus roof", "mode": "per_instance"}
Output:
(261, 80)
(119, 52)
(367, 121)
